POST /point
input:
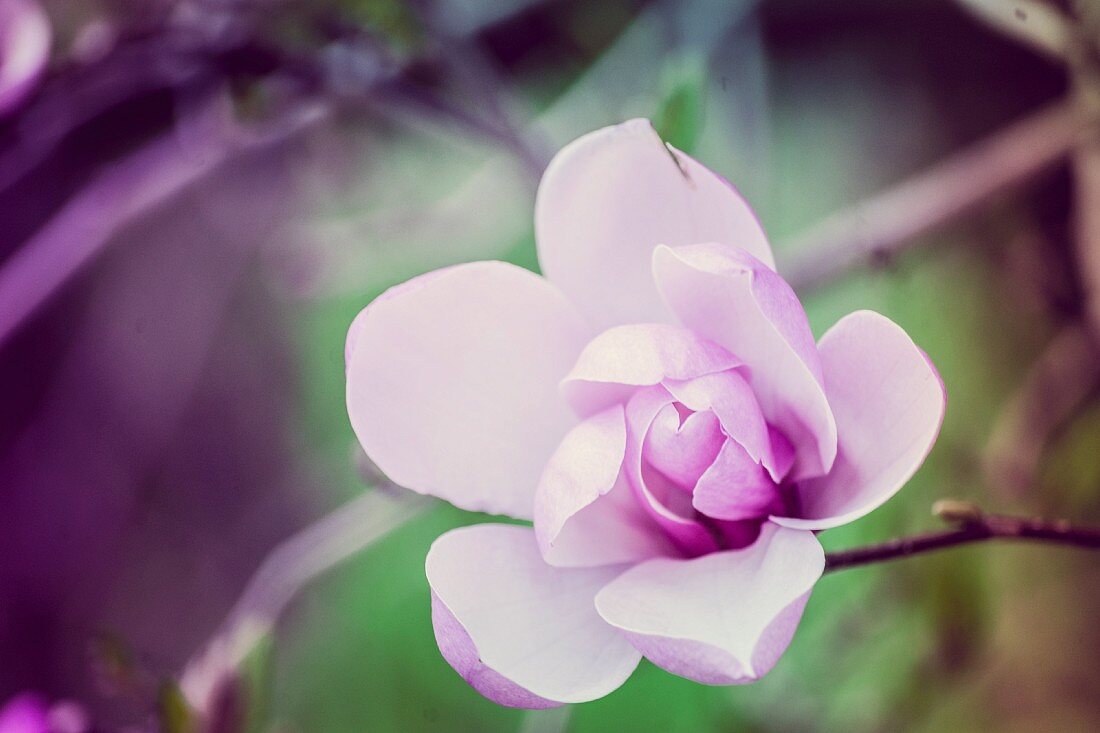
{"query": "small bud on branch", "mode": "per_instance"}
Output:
(973, 525)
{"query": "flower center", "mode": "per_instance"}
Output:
(682, 445)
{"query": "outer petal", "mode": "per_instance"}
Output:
(609, 198)
(452, 383)
(585, 514)
(521, 632)
(719, 619)
(635, 355)
(727, 295)
(889, 404)
(24, 49)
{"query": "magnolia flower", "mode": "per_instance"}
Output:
(657, 405)
(24, 49)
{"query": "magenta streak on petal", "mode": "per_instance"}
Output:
(460, 652)
(522, 632)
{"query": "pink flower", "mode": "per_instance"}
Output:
(657, 405)
(29, 712)
(24, 49)
(25, 713)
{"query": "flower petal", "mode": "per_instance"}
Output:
(728, 296)
(25, 37)
(736, 487)
(585, 514)
(683, 448)
(720, 619)
(663, 501)
(889, 404)
(452, 383)
(625, 357)
(521, 632)
(609, 198)
(732, 400)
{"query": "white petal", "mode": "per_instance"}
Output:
(585, 511)
(521, 632)
(889, 404)
(723, 618)
(453, 383)
(609, 198)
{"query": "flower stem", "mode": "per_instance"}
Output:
(973, 525)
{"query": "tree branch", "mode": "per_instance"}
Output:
(973, 526)
(291, 566)
(887, 223)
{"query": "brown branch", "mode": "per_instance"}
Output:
(888, 222)
(973, 526)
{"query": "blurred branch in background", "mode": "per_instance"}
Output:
(1085, 78)
(287, 569)
(889, 222)
(121, 194)
(1066, 376)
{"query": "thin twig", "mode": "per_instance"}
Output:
(973, 526)
(287, 569)
(887, 223)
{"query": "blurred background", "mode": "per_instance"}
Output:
(197, 196)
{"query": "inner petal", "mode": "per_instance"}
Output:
(682, 448)
(669, 506)
(735, 487)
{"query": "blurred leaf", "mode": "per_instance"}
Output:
(173, 712)
(1072, 470)
(679, 118)
(952, 589)
(115, 669)
(394, 20)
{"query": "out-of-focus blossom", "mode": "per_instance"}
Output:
(24, 49)
(25, 713)
(657, 405)
(127, 390)
(31, 713)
